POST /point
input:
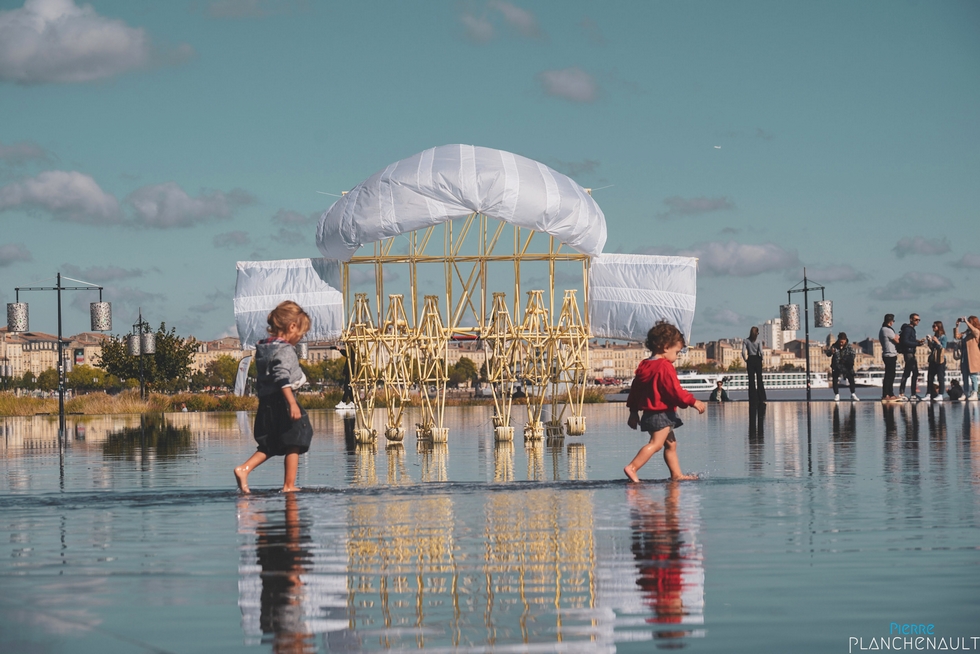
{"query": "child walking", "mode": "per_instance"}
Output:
(281, 425)
(657, 392)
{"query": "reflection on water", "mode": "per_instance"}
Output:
(668, 558)
(154, 439)
(478, 545)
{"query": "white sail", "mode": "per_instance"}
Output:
(311, 283)
(453, 181)
(629, 293)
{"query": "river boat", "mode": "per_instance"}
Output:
(874, 377)
(739, 381)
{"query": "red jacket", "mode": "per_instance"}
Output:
(656, 388)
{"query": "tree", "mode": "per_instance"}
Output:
(27, 381)
(48, 380)
(172, 361)
(86, 378)
(222, 371)
(737, 364)
(463, 371)
(167, 370)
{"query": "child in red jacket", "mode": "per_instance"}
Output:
(657, 392)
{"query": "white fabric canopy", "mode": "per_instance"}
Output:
(454, 181)
(629, 293)
(311, 283)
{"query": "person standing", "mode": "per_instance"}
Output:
(907, 344)
(841, 355)
(752, 355)
(889, 356)
(971, 353)
(937, 361)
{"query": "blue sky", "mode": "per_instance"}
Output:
(147, 147)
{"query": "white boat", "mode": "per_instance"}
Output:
(739, 381)
(875, 377)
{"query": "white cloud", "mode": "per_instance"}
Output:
(253, 8)
(912, 285)
(478, 28)
(231, 239)
(288, 236)
(717, 259)
(57, 41)
(126, 303)
(572, 84)
(957, 304)
(71, 196)
(364, 275)
(968, 260)
(100, 274)
(592, 31)
(576, 168)
(521, 20)
(677, 206)
(921, 245)
(725, 317)
(18, 154)
(295, 218)
(167, 205)
(825, 274)
(13, 252)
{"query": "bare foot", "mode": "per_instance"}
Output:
(631, 473)
(684, 478)
(241, 478)
(290, 489)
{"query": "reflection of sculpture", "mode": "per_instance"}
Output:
(412, 573)
(671, 574)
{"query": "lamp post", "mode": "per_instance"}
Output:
(141, 341)
(823, 313)
(18, 321)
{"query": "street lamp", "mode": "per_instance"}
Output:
(141, 341)
(823, 313)
(18, 321)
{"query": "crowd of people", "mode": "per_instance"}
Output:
(905, 342)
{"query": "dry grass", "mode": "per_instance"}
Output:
(11, 405)
(130, 402)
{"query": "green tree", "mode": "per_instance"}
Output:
(48, 380)
(27, 381)
(463, 371)
(736, 365)
(172, 361)
(86, 378)
(222, 371)
(167, 370)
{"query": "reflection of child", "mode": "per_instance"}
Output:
(657, 392)
(668, 560)
(278, 375)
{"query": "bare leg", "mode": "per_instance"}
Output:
(673, 463)
(241, 472)
(657, 439)
(291, 464)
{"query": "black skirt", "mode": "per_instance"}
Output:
(652, 421)
(277, 433)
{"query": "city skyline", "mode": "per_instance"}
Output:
(759, 137)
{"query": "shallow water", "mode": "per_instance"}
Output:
(130, 537)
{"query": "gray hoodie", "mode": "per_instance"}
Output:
(276, 366)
